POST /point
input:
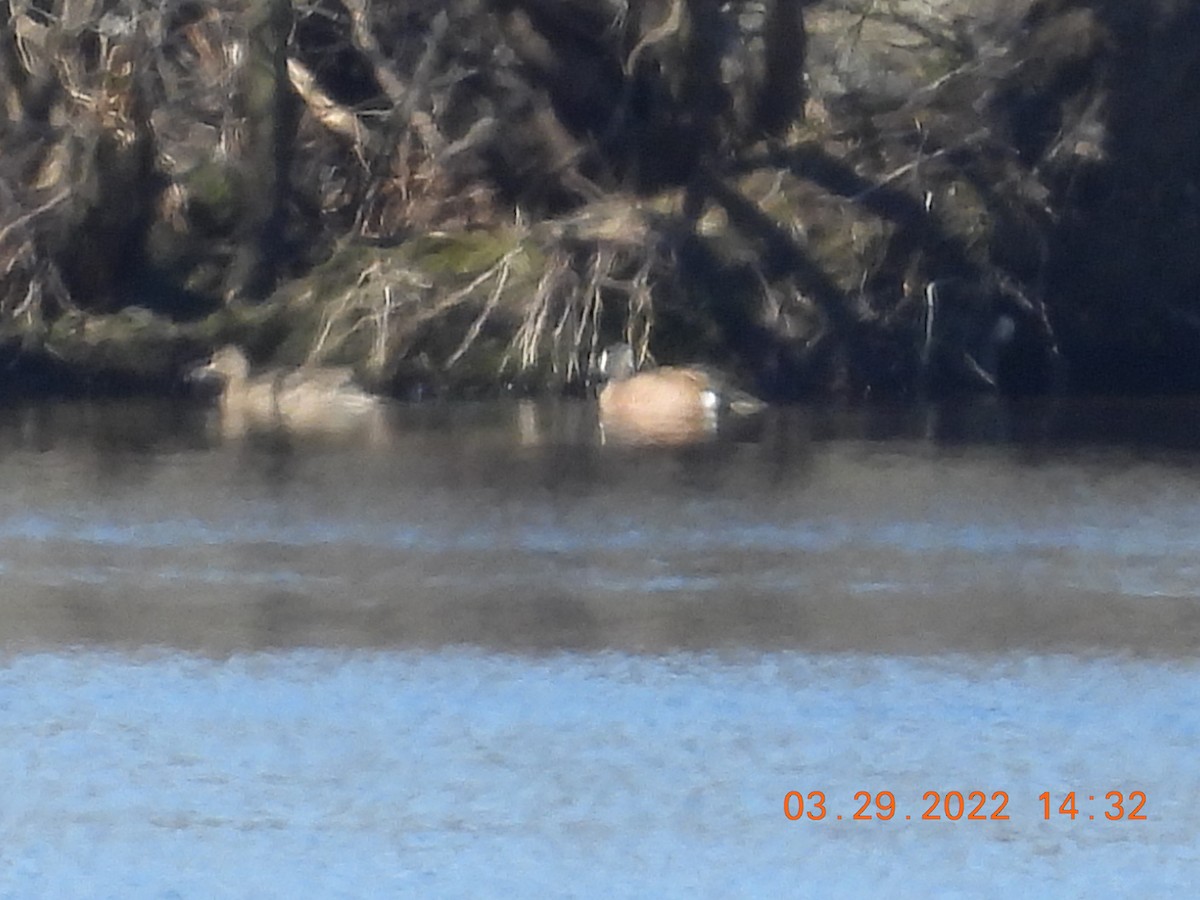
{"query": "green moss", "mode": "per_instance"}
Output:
(963, 212)
(462, 253)
(131, 342)
(341, 270)
(936, 62)
(214, 196)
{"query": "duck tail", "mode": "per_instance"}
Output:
(742, 404)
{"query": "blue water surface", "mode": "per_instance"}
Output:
(462, 773)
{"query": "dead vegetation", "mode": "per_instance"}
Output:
(863, 196)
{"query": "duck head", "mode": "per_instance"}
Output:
(227, 366)
(616, 363)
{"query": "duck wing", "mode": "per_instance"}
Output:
(733, 399)
(319, 379)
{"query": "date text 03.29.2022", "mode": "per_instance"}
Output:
(969, 806)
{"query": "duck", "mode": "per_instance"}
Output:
(664, 405)
(316, 398)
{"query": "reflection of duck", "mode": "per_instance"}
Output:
(667, 405)
(309, 399)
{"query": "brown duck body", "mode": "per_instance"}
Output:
(667, 405)
(304, 400)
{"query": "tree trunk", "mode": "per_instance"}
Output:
(269, 123)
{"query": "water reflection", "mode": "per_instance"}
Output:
(975, 527)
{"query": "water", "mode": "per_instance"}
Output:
(488, 656)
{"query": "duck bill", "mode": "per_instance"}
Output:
(203, 376)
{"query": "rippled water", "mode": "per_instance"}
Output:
(488, 655)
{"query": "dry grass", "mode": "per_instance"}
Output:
(554, 289)
(602, 259)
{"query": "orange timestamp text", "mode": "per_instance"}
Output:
(954, 806)
(1115, 803)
